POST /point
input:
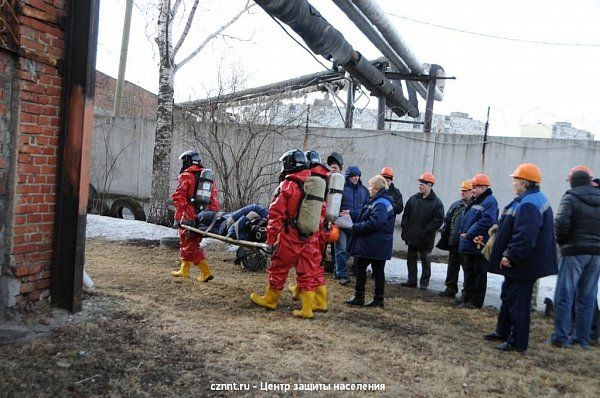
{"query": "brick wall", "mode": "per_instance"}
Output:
(137, 101)
(38, 90)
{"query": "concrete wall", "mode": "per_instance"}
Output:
(452, 158)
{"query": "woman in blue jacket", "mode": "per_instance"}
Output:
(371, 243)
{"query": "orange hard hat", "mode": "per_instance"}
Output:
(334, 234)
(580, 168)
(466, 185)
(481, 180)
(529, 172)
(387, 172)
(427, 177)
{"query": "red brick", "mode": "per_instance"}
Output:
(32, 108)
(40, 26)
(30, 128)
(34, 295)
(19, 271)
(43, 283)
(34, 218)
(25, 248)
(27, 287)
(28, 118)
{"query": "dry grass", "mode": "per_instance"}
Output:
(144, 333)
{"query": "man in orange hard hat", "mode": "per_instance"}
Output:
(449, 239)
(393, 192)
(478, 218)
(524, 251)
(423, 216)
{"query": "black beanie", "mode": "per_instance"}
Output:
(579, 178)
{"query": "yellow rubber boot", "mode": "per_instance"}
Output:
(320, 303)
(294, 290)
(307, 299)
(269, 300)
(205, 272)
(184, 270)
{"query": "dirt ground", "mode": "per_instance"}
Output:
(144, 333)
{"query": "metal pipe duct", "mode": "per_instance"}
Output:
(367, 28)
(377, 17)
(323, 39)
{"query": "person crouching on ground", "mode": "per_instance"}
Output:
(524, 251)
(289, 248)
(371, 243)
(186, 211)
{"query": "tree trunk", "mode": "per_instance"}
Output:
(159, 196)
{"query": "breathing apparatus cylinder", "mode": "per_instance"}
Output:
(333, 198)
(204, 187)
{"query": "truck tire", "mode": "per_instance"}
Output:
(171, 243)
(130, 204)
(92, 198)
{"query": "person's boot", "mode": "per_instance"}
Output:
(377, 302)
(307, 299)
(294, 291)
(184, 270)
(448, 293)
(269, 300)
(320, 303)
(357, 299)
(408, 284)
(205, 272)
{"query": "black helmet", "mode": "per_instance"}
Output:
(312, 157)
(190, 158)
(292, 161)
(335, 158)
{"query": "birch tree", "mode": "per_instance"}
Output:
(164, 121)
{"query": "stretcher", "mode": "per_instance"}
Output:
(242, 243)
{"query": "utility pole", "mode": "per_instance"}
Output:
(305, 142)
(123, 59)
(485, 134)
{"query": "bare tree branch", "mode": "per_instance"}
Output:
(212, 36)
(186, 30)
(175, 8)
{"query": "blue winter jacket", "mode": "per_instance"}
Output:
(356, 196)
(238, 230)
(373, 229)
(526, 236)
(476, 220)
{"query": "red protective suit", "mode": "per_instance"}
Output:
(324, 172)
(189, 242)
(291, 250)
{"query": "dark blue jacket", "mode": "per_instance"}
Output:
(526, 236)
(373, 229)
(240, 229)
(478, 217)
(356, 196)
(449, 234)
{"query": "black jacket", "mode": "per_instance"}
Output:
(448, 239)
(396, 196)
(421, 219)
(577, 222)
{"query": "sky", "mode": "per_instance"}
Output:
(523, 83)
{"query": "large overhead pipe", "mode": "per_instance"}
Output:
(378, 18)
(325, 40)
(367, 28)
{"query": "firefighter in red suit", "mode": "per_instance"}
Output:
(289, 249)
(186, 212)
(320, 303)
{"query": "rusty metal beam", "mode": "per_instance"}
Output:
(74, 154)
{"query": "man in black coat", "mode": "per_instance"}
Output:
(450, 235)
(578, 235)
(423, 216)
(393, 192)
